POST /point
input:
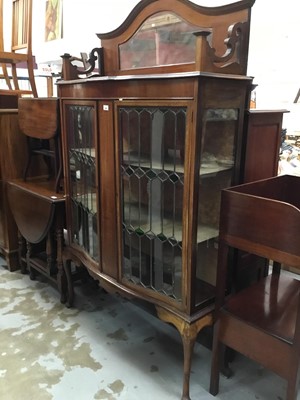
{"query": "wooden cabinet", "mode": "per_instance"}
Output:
(263, 139)
(12, 158)
(262, 136)
(146, 153)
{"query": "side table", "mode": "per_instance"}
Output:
(39, 213)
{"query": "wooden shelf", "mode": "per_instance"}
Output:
(178, 168)
(86, 151)
(140, 222)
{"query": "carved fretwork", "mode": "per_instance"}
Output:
(234, 57)
(233, 43)
(71, 71)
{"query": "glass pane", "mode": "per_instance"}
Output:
(152, 171)
(82, 173)
(163, 39)
(216, 173)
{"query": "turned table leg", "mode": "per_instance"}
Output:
(21, 251)
(61, 276)
(70, 288)
(32, 274)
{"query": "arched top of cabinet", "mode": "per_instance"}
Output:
(178, 35)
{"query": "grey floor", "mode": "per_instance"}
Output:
(103, 348)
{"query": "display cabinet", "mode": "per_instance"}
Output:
(149, 141)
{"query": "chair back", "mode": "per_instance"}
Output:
(21, 25)
(21, 47)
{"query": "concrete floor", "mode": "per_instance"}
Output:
(104, 348)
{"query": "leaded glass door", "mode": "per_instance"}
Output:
(152, 172)
(82, 176)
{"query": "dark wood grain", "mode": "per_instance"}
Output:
(263, 320)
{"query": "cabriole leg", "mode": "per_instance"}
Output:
(189, 333)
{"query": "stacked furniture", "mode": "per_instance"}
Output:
(36, 197)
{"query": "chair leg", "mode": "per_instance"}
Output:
(48, 163)
(26, 169)
(31, 76)
(215, 364)
(15, 76)
(58, 164)
(6, 77)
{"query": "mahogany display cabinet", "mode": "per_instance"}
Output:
(149, 141)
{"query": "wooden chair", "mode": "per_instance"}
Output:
(262, 321)
(39, 121)
(21, 48)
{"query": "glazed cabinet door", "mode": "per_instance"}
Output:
(173, 161)
(80, 144)
(152, 174)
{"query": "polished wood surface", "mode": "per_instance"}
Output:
(13, 158)
(33, 206)
(261, 321)
(12, 161)
(263, 139)
(39, 212)
(269, 304)
(211, 93)
(218, 36)
(39, 120)
(208, 19)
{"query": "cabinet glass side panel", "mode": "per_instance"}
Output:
(82, 177)
(216, 173)
(152, 180)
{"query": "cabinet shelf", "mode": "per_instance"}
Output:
(84, 151)
(166, 228)
(178, 168)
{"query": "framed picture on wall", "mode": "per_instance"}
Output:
(53, 20)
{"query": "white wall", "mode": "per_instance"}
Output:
(82, 19)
